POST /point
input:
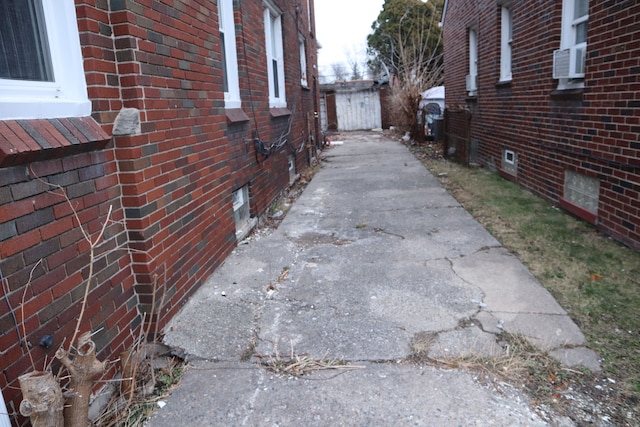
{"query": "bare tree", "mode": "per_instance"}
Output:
(422, 69)
(340, 72)
(356, 60)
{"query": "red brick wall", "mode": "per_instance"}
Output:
(593, 131)
(44, 259)
(178, 176)
(169, 186)
(268, 176)
(174, 175)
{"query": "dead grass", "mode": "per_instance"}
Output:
(301, 365)
(594, 278)
(298, 365)
(520, 363)
(134, 412)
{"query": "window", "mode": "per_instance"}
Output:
(240, 200)
(292, 169)
(41, 73)
(581, 195)
(230, 84)
(569, 60)
(303, 64)
(473, 63)
(506, 34)
(309, 15)
(241, 212)
(275, 59)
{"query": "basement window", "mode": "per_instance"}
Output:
(242, 213)
(292, 169)
(581, 195)
(241, 206)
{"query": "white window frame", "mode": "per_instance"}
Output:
(567, 41)
(303, 63)
(227, 28)
(472, 86)
(274, 50)
(506, 37)
(66, 95)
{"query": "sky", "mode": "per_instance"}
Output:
(342, 27)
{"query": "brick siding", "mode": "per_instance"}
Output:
(592, 131)
(169, 187)
(43, 246)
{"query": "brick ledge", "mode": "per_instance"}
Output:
(579, 211)
(236, 115)
(26, 141)
(279, 112)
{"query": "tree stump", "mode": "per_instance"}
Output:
(83, 369)
(42, 399)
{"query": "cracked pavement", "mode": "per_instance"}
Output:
(378, 256)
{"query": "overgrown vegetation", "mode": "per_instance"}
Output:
(594, 278)
(64, 398)
(406, 47)
(158, 378)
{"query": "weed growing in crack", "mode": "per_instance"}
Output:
(298, 365)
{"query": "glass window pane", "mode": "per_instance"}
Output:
(581, 33)
(225, 79)
(581, 8)
(221, 13)
(276, 87)
(24, 51)
(274, 43)
(579, 61)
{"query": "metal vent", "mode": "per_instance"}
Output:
(569, 63)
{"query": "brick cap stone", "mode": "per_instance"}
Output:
(27, 141)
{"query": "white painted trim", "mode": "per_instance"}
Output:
(567, 41)
(303, 62)
(506, 35)
(472, 85)
(274, 51)
(66, 96)
(227, 26)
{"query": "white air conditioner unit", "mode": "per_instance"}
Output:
(569, 63)
(471, 83)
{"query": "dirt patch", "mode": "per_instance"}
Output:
(313, 239)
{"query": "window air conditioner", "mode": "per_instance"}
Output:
(568, 63)
(471, 83)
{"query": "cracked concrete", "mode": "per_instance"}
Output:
(380, 258)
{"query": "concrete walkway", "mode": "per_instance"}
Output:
(373, 263)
